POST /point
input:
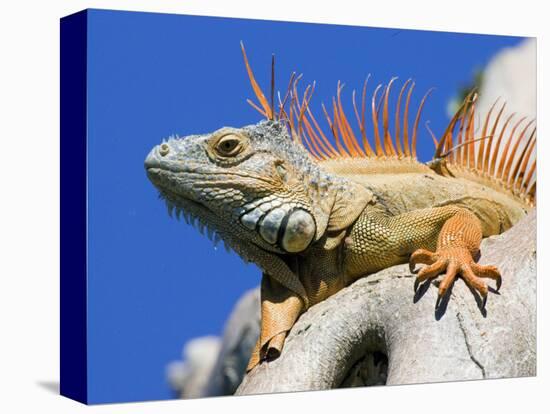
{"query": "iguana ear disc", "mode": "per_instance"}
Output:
(298, 231)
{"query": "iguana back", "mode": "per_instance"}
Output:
(490, 172)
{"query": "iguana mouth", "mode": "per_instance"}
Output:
(175, 201)
(194, 214)
(167, 181)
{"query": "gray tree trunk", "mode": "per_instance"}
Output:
(377, 331)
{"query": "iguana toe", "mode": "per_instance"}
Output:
(421, 256)
(454, 261)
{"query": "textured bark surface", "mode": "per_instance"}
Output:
(379, 331)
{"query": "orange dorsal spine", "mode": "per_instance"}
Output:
(506, 164)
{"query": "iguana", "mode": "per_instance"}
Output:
(316, 214)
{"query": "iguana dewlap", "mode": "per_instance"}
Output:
(316, 214)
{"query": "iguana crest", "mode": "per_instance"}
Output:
(505, 161)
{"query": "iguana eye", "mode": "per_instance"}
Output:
(229, 145)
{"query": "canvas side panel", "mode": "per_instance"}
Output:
(73, 370)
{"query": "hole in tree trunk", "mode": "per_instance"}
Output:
(371, 369)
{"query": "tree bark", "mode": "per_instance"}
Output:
(378, 330)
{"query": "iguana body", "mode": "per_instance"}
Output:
(314, 221)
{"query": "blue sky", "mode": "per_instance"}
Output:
(154, 282)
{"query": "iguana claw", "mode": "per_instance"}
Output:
(454, 261)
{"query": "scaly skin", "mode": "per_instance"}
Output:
(315, 227)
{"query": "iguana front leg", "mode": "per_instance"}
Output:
(280, 308)
(457, 246)
(379, 240)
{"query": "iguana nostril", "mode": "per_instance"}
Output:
(164, 150)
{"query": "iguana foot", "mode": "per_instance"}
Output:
(453, 261)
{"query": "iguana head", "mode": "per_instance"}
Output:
(251, 185)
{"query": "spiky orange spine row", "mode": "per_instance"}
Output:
(305, 128)
(346, 143)
(516, 156)
(516, 174)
